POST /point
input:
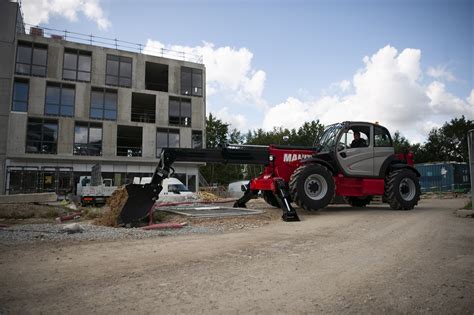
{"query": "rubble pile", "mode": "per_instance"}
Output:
(207, 196)
(114, 204)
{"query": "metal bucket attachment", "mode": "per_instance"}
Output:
(141, 199)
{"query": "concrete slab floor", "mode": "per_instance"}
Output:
(211, 211)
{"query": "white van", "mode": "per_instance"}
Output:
(237, 189)
(173, 189)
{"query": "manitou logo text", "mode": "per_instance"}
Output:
(288, 157)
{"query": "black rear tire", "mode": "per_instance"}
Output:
(359, 202)
(402, 189)
(270, 198)
(312, 186)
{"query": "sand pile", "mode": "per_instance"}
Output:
(207, 196)
(114, 206)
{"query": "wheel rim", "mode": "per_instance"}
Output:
(315, 187)
(407, 189)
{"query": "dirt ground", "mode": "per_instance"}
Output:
(340, 260)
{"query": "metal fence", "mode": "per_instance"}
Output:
(113, 43)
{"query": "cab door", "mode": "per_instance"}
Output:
(383, 147)
(356, 158)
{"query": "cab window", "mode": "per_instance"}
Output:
(355, 137)
(382, 137)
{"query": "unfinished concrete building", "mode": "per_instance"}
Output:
(68, 103)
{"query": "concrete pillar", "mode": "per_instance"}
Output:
(174, 78)
(66, 136)
(109, 139)
(124, 106)
(37, 95)
(470, 144)
(82, 101)
(149, 141)
(17, 133)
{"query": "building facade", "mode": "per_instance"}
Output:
(66, 106)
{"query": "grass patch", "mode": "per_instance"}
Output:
(159, 216)
(20, 215)
(468, 205)
(92, 213)
(50, 213)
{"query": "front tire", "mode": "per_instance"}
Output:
(402, 189)
(312, 186)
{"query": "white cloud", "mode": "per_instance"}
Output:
(228, 70)
(443, 102)
(470, 98)
(345, 85)
(39, 11)
(236, 121)
(388, 89)
(440, 73)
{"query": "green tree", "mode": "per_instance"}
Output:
(449, 143)
(305, 135)
(217, 133)
(400, 143)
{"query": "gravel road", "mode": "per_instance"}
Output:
(340, 260)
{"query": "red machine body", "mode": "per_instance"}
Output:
(284, 161)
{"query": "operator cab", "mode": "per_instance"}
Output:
(359, 148)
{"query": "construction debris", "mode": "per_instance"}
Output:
(73, 228)
(72, 216)
(114, 204)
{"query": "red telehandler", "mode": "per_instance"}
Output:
(355, 160)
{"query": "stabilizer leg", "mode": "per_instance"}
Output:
(249, 194)
(283, 198)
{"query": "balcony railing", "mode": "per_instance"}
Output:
(109, 43)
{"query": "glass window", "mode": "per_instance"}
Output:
(31, 59)
(118, 71)
(196, 141)
(77, 65)
(103, 104)
(173, 139)
(70, 61)
(129, 141)
(41, 136)
(24, 54)
(382, 137)
(191, 81)
(20, 95)
(88, 139)
(84, 63)
(356, 137)
(60, 99)
(166, 138)
(179, 111)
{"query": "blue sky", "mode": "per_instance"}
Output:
(407, 64)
